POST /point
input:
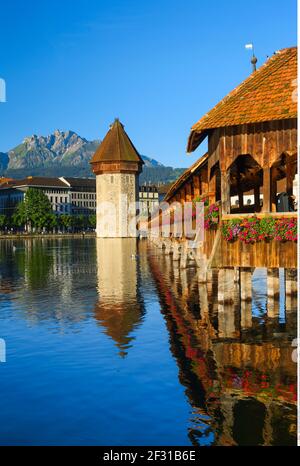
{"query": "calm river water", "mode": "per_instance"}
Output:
(109, 343)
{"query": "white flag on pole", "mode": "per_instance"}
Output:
(249, 46)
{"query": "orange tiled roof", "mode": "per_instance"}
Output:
(268, 94)
(116, 147)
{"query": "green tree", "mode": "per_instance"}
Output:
(92, 221)
(3, 221)
(35, 211)
(79, 221)
(66, 221)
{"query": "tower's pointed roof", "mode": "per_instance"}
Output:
(116, 146)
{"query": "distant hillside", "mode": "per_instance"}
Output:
(159, 175)
(65, 153)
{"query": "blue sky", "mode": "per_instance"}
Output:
(157, 65)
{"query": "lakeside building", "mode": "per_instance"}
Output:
(67, 195)
(149, 199)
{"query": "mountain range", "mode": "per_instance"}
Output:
(68, 154)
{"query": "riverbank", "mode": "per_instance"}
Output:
(49, 235)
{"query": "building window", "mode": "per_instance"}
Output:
(112, 179)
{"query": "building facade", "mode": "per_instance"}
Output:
(75, 196)
(148, 199)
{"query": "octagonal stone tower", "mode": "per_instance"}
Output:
(117, 165)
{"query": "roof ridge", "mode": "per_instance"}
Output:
(250, 78)
(116, 146)
(118, 138)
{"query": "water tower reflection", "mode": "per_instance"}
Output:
(120, 309)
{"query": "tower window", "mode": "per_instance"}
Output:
(112, 179)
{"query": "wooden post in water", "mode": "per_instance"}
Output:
(202, 267)
(246, 284)
(290, 276)
(176, 251)
(236, 274)
(246, 297)
(273, 292)
(226, 285)
(168, 246)
(184, 255)
(203, 299)
(246, 314)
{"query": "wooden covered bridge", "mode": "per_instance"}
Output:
(247, 179)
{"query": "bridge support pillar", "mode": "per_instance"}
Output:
(236, 274)
(246, 284)
(184, 255)
(203, 300)
(202, 268)
(291, 282)
(226, 285)
(273, 292)
(160, 243)
(176, 251)
(246, 314)
(168, 246)
(290, 290)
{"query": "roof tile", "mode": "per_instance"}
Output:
(264, 96)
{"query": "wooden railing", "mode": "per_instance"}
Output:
(261, 215)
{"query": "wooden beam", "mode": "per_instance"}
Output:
(261, 215)
(188, 192)
(289, 176)
(212, 188)
(182, 195)
(196, 185)
(225, 192)
(273, 189)
(204, 181)
(241, 198)
(267, 190)
(257, 198)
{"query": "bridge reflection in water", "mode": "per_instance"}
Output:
(235, 356)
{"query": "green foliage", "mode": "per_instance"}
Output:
(35, 211)
(160, 174)
(92, 221)
(66, 221)
(3, 221)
